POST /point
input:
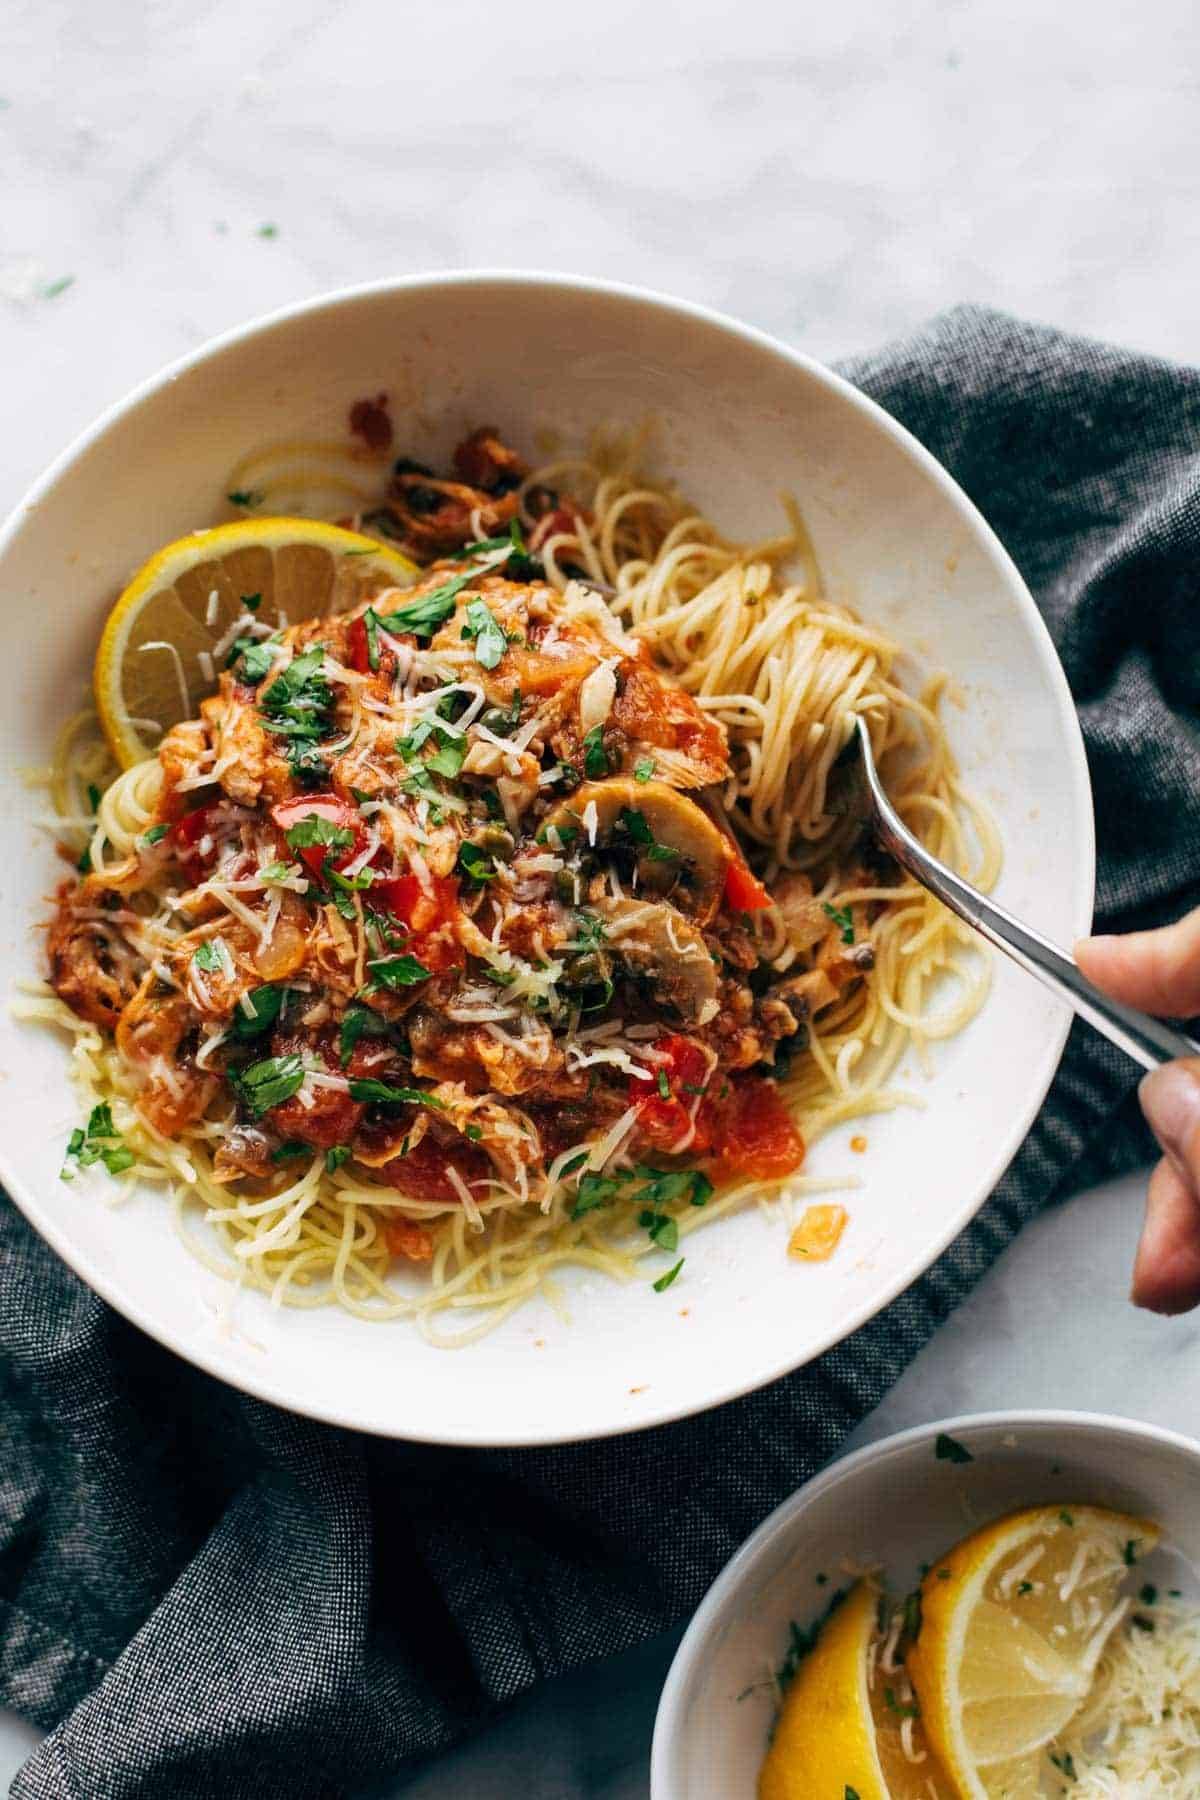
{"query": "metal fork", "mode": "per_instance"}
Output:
(1149, 1041)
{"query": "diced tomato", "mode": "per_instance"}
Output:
(429, 916)
(338, 813)
(744, 892)
(753, 1133)
(186, 836)
(422, 1173)
(358, 646)
(664, 1120)
(553, 524)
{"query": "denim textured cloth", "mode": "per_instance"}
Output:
(203, 1597)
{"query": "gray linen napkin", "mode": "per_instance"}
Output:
(201, 1596)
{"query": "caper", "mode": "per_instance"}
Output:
(496, 841)
(498, 720)
(589, 970)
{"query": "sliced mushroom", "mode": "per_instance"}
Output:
(658, 941)
(695, 875)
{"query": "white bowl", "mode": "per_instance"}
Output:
(895, 1504)
(740, 418)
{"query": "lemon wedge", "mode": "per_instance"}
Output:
(839, 1731)
(1013, 1623)
(167, 635)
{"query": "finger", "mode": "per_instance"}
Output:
(1156, 970)
(1166, 1271)
(1170, 1099)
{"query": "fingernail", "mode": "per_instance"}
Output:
(1170, 1099)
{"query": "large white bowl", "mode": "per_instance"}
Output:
(740, 418)
(895, 1505)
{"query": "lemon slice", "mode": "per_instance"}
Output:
(1013, 1622)
(163, 645)
(839, 1731)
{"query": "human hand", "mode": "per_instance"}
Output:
(1159, 971)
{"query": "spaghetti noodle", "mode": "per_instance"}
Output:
(544, 885)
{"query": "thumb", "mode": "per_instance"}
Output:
(1156, 970)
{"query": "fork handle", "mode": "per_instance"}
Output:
(1147, 1040)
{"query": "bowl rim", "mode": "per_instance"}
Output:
(265, 1387)
(843, 1470)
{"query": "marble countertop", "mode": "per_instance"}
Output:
(830, 174)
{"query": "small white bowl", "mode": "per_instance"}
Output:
(739, 418)
(896, 1505)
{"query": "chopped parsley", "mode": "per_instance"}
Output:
(663, 1229)
(489, 635)
(1066, 1517)
(245, 497)
(595, 757)
(93, 794)
(902, 1709)
(371, 627)
(268, 1083)
(663, 1186)
(449, 756)
(207, 956)
(314, 830)
(408, 746)
(593, 1191)
(1130, 1552)
(948, 1449)
(474, 1132)
(843, 918)
(664, 1281)
(251, 602)
(633, 822)
(664, 1086)
(1066, 1762)
(156, 834)
(398, 972)
(358, 1022)
(912, 1614)
(422, 617)
(277, 871)
(298, 701)
(589, 931)
(293, 1147)
(382, 1094)
(98, 1141)
(336, 1156)
(1148, 1594)
(643, 768)
(475, 863)
(266, 1004)
(254, 659)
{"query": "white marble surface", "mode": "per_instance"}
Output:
(832, 174)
